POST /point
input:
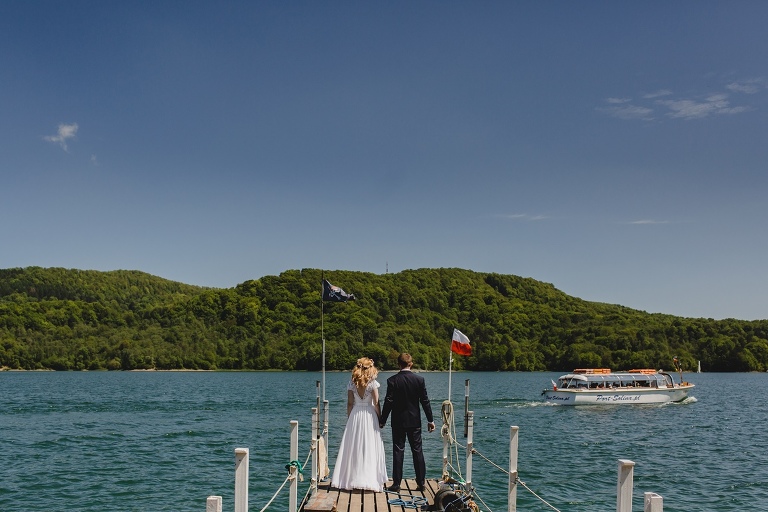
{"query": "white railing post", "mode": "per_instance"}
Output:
(315, 454)
(213, 504)
(470, 436)
(241, 479)
(292, 500)
(624, 486)
(653, 502)
(512, 493)
(326, 415)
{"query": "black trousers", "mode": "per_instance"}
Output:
(399, 436)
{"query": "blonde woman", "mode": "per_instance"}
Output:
(361, 463)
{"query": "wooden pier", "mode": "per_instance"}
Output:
(330, 499)
(321, 497)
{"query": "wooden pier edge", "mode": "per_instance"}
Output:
(330, 499)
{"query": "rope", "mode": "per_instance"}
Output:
(448, 430)
(517, 480)
(276, 493)
(539, 497)
(299, 468)
(305, 499)
(483, 502)
(414, 502)
(295, 464)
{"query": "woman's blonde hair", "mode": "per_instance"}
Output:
(364, 372)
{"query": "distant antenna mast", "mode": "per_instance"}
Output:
(386, 268)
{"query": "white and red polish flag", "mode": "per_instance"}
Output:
(460, 343)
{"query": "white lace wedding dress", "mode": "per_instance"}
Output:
(361, 463)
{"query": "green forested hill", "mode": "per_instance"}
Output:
(53, 318)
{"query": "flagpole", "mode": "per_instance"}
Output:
(450, 367)
(322, 327)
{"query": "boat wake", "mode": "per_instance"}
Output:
(509, 403)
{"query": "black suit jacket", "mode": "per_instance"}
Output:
(405, 392)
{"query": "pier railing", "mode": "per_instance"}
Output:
(624, 486)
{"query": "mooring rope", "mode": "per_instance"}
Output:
(483, 502)
(294, 467)
(301, 473)
(517, 479)
(448, 431)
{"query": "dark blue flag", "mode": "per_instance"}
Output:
(335, 294)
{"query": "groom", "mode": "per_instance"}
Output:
(405, 391)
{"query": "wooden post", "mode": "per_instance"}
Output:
(624, 486)
(213, 504)
(470, 434)
(315, 454)
(653, 502)
(293, 494)
(241, 479)
(512, 493)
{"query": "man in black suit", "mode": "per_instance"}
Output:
(405, 391)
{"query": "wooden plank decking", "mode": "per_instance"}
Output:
(330, 499)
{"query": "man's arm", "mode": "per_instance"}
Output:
(387, 406)
(425, 404)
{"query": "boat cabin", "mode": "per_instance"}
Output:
(605, 379)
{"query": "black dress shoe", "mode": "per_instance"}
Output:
(393, 488)
(420, 487)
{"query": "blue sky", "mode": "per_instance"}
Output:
(617, 150)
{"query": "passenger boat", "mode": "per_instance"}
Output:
(602, 386)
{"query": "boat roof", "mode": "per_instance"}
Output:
(590, 374)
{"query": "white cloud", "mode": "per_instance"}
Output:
(523, 217)
(644, 107)
(748, 86)
(648, 221)
(717, 104)
(66, 132)
(657, 94)
(628, 111)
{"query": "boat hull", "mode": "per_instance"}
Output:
(622, 396)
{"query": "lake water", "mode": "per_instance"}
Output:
(152, 441)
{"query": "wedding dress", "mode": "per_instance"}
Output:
(361, 463)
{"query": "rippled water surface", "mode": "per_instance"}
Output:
(146, 441)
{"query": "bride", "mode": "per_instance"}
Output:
(361, 463)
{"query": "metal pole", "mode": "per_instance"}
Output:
(326, 413)
(470, 448)
(466, 405)
(450, 366)
(446, 432)
(324, 431)
(315, 454)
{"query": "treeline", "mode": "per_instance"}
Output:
(61, 319)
